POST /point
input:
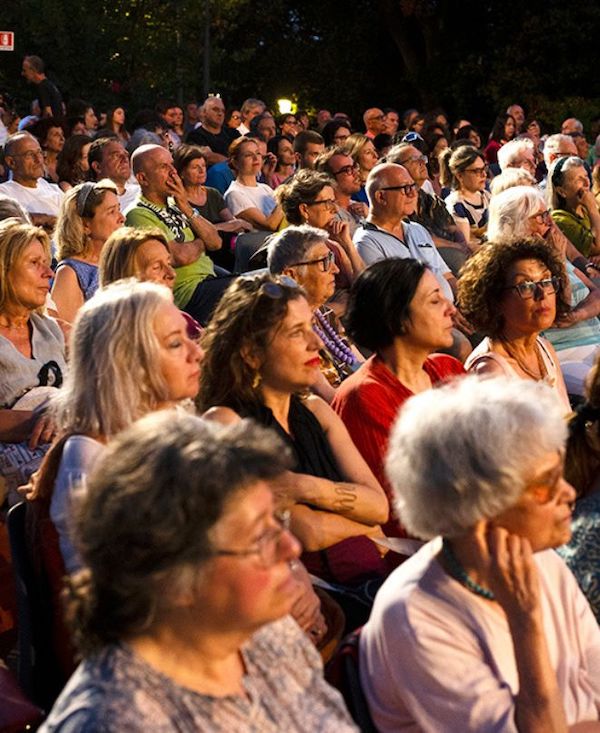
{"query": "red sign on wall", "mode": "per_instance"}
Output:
(7, 41)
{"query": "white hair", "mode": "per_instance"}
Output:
(466, 451)
(512, 151)
(292, 245)
(556, 177)
(552, 146)
(510, 210)
(509, 178)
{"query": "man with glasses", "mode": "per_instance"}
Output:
(339, 165)
(109, 159)
(517, 154)
(392, 195)
(431, 211)
(386, 233)
(25, 159)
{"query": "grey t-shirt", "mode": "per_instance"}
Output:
(47, 365)
(375, 244)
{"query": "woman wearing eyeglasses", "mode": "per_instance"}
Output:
(89, 214)
(511, 291)
(303, 253)
(183, 618)
(521, 211)
(309, 198)
(262, 357)
(468, 202)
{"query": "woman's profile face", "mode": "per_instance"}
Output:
(430, 324)
(530, 315)
(575, 182)
(55, 139)
(475, 138)
(153, 263)
(247, 590)
(368, 157)
(107, 217)
(543, 512)
(539, 223)
(248, 160)
(30, 276)
(509, 128)
(119, 116)
(90, 119)
(319, 212)
(291, 360)
(84, 163)
(285, 152)
(179, 357)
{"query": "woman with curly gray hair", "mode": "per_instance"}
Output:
(510, 291)
(484, 629)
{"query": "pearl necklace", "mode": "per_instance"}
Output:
(459, 573)
(332, 340)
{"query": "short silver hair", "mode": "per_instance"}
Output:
(511, 151)
(553, 144)
(509, 178)
(510, 210)
(466, 451)
(292, 245)
(11, 209)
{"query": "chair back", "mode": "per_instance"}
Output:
(38, 670)
(342, 672)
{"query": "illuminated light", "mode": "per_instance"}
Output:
(284, 106)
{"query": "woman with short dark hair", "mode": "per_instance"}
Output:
(396, 310)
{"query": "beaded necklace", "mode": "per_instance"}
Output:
(332, 340)
(459, 573)
(542, 374)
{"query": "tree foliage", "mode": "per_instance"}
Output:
(472, 57)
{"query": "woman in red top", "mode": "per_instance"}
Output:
(398, 311)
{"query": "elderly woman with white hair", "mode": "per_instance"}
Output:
(573, 205)
(521, 211)
(485, 628)
(518, 153)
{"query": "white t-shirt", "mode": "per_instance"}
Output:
(44, 199)
(131, 193)
(239, 198)
(436, 658)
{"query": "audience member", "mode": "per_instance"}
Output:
(497, 637)
(510, 291)
(108, 159)
(51, 137)
(308, 145)
(48, 97)
(32, 351)
(336, 132)
(397, 311)
(72, 166)
(362, 151)
(505, 129)
(213, 133)
(115, 122)
(518, 115)
(163, 203)
(281, 147)
(251, 108)
(374, 122)
(517, 154)
(139, 253)
(89, 214)
(25, 159)
(339, 165)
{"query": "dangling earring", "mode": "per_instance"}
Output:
(257, 380)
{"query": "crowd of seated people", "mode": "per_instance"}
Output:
(266, 380)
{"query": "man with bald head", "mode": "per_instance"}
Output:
(392, 195)
(374, 122)
(163, 204)
(212, 132)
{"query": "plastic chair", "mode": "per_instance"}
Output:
(342, 672)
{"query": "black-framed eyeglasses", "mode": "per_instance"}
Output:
(542, 217)
(328, 203)
(266, 547)
(325, 262)
(530, 289)
(407, 189)
(347, 170)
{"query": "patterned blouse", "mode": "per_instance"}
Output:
(118, 691)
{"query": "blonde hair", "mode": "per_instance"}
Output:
(79, 203)
(15, 237)
(113, 377)
(117, 259)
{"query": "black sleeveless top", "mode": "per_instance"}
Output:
(308, 442)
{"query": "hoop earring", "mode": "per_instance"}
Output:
(257, 380)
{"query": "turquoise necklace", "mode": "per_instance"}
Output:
(459, 573)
